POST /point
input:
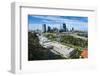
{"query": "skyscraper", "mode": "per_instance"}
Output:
(64, 27)
(44, 28)
(72, 30)
(49, 29)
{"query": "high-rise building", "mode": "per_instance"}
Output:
(49, 29)
(72, 30)
(67, 29)
(64, 27)
(44, 28)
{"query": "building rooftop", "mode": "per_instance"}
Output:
(84, 53)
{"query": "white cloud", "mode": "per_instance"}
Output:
(57, 19)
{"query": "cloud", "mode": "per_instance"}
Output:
(58, 19)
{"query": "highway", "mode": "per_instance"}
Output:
(74, 35)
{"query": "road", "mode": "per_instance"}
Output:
(74, 35)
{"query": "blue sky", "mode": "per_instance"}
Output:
(36, 22)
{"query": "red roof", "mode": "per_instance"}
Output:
(84, 53)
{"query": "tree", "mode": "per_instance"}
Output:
(38, 52)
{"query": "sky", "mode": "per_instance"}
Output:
(36, 21)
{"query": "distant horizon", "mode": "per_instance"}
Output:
(78, 23)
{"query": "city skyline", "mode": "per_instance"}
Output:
(76, 22)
